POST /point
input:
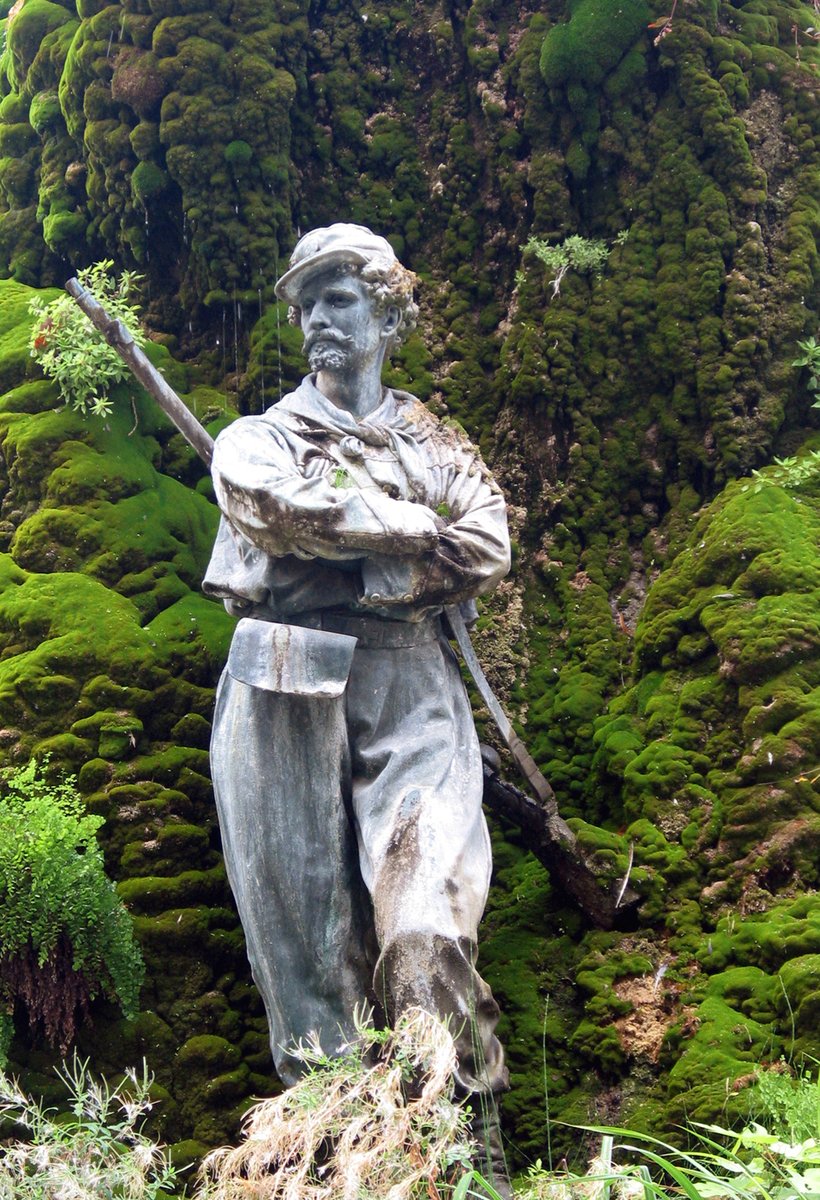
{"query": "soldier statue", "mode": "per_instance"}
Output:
(346, 765)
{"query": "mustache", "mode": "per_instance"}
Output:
(328, 337)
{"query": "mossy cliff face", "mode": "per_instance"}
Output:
(654, 658)
(657, 640)
(707, 766)
(152, 132)
(108, 658)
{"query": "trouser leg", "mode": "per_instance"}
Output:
(424, 846)
(281, 778)
(438, 974)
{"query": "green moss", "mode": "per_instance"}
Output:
(173, 932)
(65, 748)
(62, 230)
(119, 737)
(148, 181)
(94, 774)
(15, 140)
(238, 154)
(44, 112)
(193, 730)
(29, 34)
(159, 894)
(592, 42)
(208, 1054)
(169, 853)
(71, 617)
(203, 1061)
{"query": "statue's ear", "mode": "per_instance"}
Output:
(391, 321)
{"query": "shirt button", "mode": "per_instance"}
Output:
(352, 447)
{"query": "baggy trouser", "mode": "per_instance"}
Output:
(355, 843)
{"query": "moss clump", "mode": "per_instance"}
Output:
(147, 182)
(44, 111)
(63, 230)
(594, 40)
(238, 154)
(158, 894)
(216, 1078)
(119, 737)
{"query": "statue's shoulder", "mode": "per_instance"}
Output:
(445, 441)
(275, 431)
(448, 435)
(286, 414)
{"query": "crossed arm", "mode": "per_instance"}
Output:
(285, 502)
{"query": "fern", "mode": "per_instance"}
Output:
(65, 936)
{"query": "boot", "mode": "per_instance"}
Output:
(489, 1159)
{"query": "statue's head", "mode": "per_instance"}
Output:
(352, 250)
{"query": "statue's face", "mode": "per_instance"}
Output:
(341, 328)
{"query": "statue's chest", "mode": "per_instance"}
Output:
(349, 461)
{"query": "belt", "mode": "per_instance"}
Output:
(373, 633)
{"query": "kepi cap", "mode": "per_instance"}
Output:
(334, 245)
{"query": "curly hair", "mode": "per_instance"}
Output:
(389, 284)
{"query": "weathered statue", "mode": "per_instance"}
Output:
(345, 761)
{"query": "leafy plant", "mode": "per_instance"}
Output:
(95, 1152)
(791, 472)
(587, 255)
(65, 936)
(755, 1164)
(379, 1121)
(810, 358)
(342, 479)
(69, 348)
(789, 1103)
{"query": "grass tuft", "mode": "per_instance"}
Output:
(380, 1121)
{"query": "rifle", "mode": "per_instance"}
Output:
(559, 849)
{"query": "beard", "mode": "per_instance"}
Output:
(326, 356)
(328, 351)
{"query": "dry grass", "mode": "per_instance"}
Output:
(380, 1122)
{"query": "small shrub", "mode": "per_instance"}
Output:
(65, 936)
(96, 1152)
(810, 358)
(72, 352)
(585, 255)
